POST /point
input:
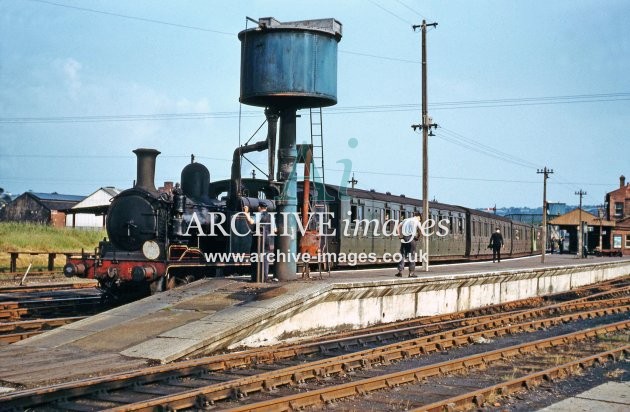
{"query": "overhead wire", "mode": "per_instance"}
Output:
(197, 28)
(489, 149)
(391, 13)
(125, 16)
(410, 9)
(384, 108)
(476, 147)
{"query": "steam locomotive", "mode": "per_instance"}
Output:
(156, 240)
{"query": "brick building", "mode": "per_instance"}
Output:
(618, 209)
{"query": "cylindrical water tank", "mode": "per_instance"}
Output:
(290, 64)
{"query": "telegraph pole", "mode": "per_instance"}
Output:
(581, 193)
(546, 172)
(426, 125)
(353, 181)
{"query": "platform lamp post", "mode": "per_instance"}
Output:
(546, 172)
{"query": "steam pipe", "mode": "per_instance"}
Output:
(146, 169)
(235, 187)
(269, 143)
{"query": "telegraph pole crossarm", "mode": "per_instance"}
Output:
(353, 181)
(545, 172)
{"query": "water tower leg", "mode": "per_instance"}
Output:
(286, 268)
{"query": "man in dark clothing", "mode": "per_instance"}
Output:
(408, 233)
(496, 243)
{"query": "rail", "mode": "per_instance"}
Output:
(453, 332)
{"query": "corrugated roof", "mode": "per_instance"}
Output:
(56, 197)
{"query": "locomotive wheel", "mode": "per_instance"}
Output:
(174, 281)
(170, 282)
(157, 286)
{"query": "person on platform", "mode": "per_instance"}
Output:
(263, 218)
(408, 233)
(496, 243)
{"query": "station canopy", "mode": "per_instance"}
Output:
(573, 219)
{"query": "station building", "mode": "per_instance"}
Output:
(91, 212)
(617, 206)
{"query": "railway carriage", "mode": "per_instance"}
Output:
(468, 234)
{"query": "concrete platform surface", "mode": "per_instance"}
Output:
(214, 314)
(609, 397)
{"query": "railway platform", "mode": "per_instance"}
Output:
(216, 314)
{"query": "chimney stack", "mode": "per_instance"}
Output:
(622, 181)
(146, 169)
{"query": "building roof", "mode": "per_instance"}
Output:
(111, 190)
(56, 197)
(623, 224)
(54, 201)
(573, 218)
(97, 202)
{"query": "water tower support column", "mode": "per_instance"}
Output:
(286, 267)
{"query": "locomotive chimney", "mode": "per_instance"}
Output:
(622, 181)
(146, 169)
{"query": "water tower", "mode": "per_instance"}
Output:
(286, 67)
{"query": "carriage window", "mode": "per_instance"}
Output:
(356, 212)
(261, 194)
(460, 225)
(388, 215)
(473, 227)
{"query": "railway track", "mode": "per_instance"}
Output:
(11, 332)
(253, 376)
(49, 308)
(46, 288)
(26, 311)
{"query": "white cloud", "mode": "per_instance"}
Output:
(71, 71)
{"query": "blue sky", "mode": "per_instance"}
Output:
(83, 83)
